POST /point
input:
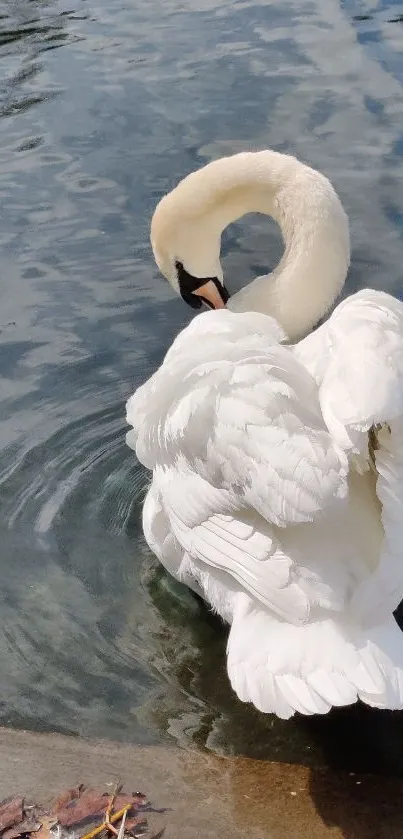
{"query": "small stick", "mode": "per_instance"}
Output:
(108, 812)
(122, 826)
(104, 826)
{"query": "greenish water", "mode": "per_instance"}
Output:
(103, 107)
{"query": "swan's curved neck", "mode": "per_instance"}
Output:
(314, 227)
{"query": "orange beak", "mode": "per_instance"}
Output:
(210, 294)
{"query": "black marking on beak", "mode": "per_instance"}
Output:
(189, 284)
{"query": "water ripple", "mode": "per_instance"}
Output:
(103, 107)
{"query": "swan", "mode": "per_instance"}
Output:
(276, 450)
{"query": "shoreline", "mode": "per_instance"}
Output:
(207, 796)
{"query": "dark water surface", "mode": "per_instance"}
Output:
(103, 107)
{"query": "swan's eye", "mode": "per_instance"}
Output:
(189, 286)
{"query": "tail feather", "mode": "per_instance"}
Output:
(384, 650)
(282, 668)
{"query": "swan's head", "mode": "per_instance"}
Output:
(187, 252)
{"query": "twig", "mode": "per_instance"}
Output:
(122, 826)
(104, 826)
(108, 811)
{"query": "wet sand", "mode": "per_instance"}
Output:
(209, 796)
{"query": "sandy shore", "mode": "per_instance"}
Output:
(210, 797)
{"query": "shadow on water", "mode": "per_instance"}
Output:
(353, 739)
(353, 755)
(366, 807)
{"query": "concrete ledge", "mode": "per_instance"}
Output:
(210, 797)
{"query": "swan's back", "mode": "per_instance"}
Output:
(264, 511)
(233, 404)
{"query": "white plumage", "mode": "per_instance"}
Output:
(277, 490)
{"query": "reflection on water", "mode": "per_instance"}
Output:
(103, 107)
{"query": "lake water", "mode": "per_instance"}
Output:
(104, 106)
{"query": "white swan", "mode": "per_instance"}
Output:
(277, 488)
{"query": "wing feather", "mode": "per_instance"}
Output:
(240, 448)
(357, 360)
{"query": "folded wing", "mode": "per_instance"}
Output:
(357, 360)
(232, 427)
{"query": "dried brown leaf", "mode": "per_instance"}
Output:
(11, 813)
(67, 796)
(125, 798)
(47, 823)
(133, 823)
(29, 825)
(139, 799)
(90, 805)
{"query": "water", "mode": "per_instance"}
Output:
(104, 106)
